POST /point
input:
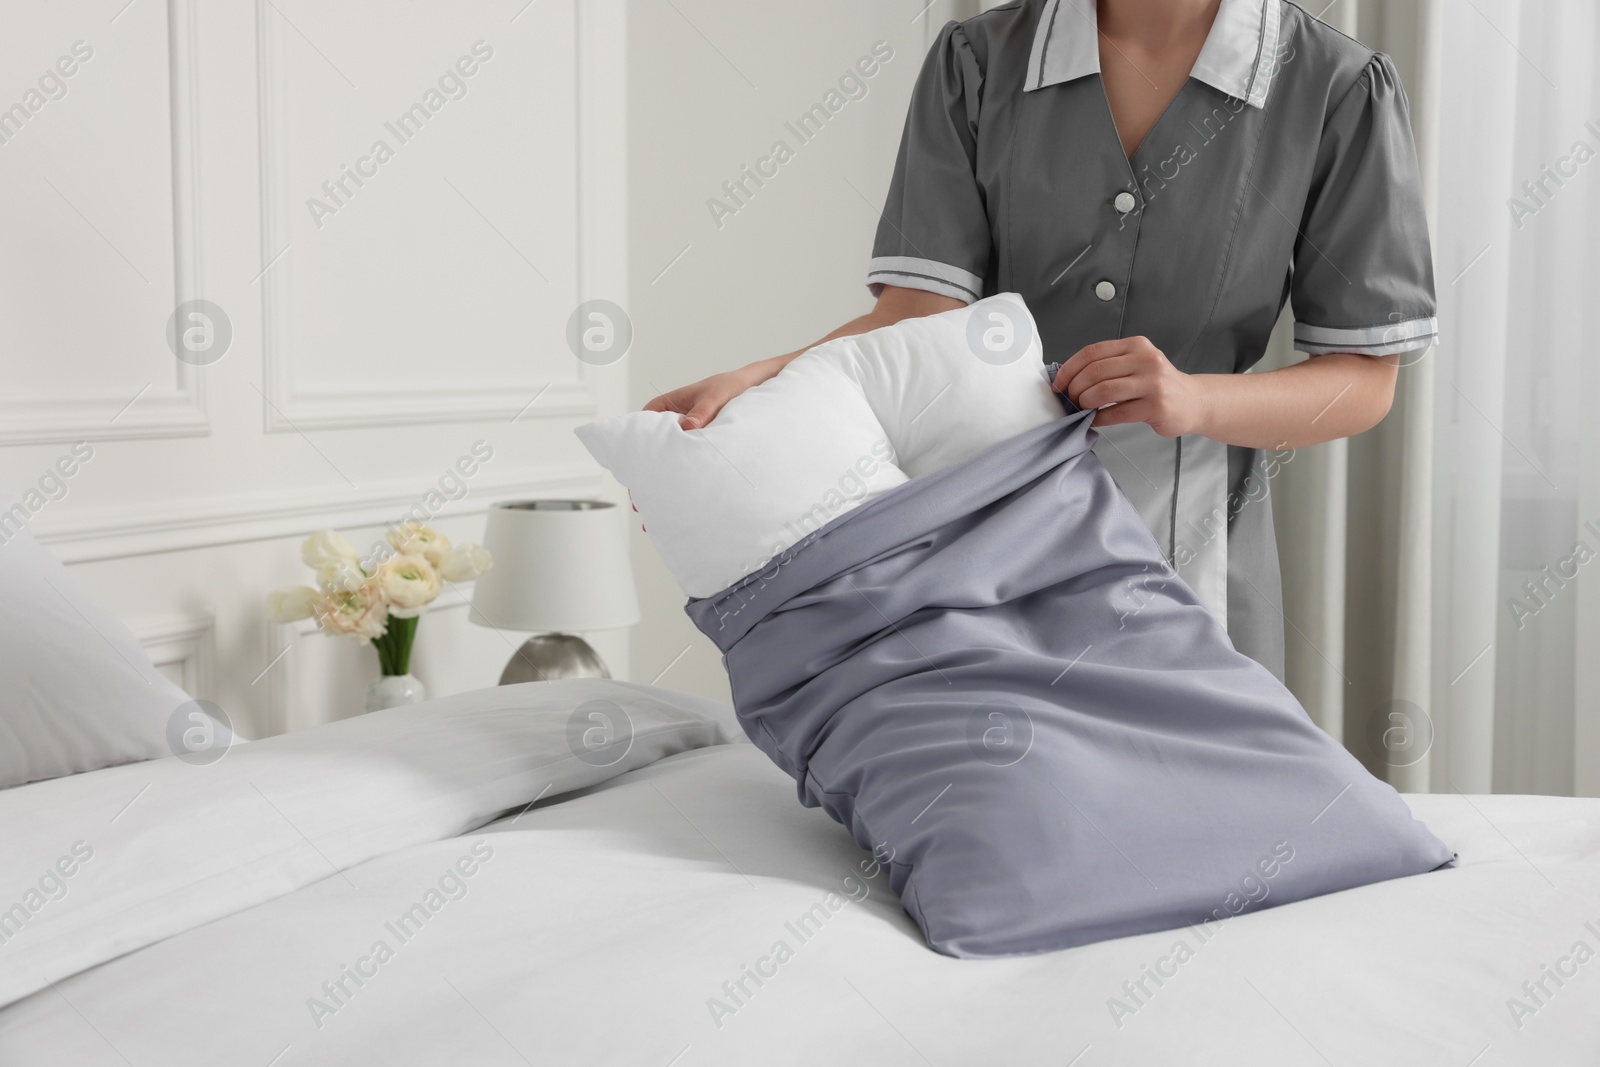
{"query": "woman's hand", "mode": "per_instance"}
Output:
(698, 404)
(1134, 377)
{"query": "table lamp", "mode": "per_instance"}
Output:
(559, 566)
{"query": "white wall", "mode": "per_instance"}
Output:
(711, 85)
(368, 353)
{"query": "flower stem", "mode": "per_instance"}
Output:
(380, 645)
(402, 632)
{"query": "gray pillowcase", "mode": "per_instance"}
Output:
(992, 678)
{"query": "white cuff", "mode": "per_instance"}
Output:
(1383, 340)
(912, 273)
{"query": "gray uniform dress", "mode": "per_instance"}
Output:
(1284, 168)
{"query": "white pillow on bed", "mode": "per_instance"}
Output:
(779, 461)
(79, 691)
(849, 420)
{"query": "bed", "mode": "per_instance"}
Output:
(593, 872)
(677, 907)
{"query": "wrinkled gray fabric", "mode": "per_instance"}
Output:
(991, 678)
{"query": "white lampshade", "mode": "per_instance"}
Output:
(559, 566)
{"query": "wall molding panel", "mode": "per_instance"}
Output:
(183, 646)
(290, 405)
(176, 406)
(144, 529)
(293, 409)
(431, 312)
(177, 410)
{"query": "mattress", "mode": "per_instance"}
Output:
(690, 912)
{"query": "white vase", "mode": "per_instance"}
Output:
(393, 690)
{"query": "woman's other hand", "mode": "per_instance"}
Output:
(697, 404)
(1130, 380)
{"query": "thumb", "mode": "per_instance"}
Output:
(698, 416)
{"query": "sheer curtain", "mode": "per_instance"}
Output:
(1522, 186)
(1443, 617)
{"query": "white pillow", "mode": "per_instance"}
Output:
(79, 691)
(847, 421)
(948, 386)
(780, 460)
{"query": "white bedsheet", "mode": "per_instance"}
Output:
(599, 928)
(98, 864)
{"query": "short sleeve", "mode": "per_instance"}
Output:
(934, 233)
(1363, 271)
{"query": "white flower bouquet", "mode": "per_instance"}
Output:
(377, 601)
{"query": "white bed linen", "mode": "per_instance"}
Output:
(99, 864)
(602, 924)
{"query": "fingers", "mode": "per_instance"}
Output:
(1128, 357)
(1155, 412)
(1118, 390)
(1124, 412)
(699, 405)
(1114, 346)
(666, 402)
(1088, 355)
(704, 410)
(696, 405)
(688, 404)
(1081, 390)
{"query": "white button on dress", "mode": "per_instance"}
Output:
(1105, 290)
(1124, 202)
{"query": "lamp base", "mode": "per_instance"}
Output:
(546, 657)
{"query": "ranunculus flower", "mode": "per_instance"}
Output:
(343, 576)
(415, 539)
(359, 612)
(464, 562)
(326, 548)
(409, 583)
(292, 603)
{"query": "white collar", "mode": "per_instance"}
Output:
(1238, 57)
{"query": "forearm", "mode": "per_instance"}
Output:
(697, 404)
(872, 320)
(1320, 399)
(893, 305)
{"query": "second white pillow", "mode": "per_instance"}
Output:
(945, 387)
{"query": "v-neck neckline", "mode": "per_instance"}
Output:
(1130, 158)
(1100, 74)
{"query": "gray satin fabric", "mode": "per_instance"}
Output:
(987, 676)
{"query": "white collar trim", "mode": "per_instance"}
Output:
(1238, 58)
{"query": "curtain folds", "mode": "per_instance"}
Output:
(1452, 647)
(1442, 572)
